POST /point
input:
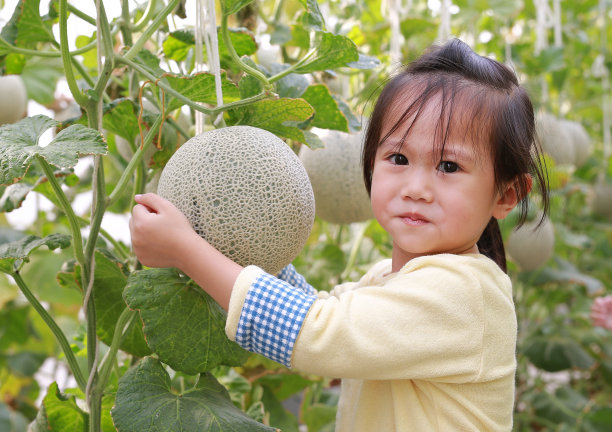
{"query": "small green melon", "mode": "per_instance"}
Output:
(336, 176)
(245, 191)
(580, 140)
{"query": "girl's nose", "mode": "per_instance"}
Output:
(417, 185)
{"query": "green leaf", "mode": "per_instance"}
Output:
(183, 325)
(566, 273)
(121, 118)
(109, 282)
(229, 7)
(364, 62)
(40, 76)
(13, 325)
(12, 421)
(332, 51)
(292, 85)
(146, 390)
(313, 18)
(327, 112)
(279, 116)
(242, 40)
(25, 363)
(21, 249)
(200, 87)
(14, 195)
(177, 45)
(61, 413)
(90, 58)
(554, 353)
(19, 146)
(26, 27)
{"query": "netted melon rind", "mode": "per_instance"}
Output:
(245, 191)
(336, 176)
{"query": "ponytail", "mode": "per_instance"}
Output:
(491, 244)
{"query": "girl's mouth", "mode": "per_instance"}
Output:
(413, 219)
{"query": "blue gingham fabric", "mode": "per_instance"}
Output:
(290, 275)
(271, 318)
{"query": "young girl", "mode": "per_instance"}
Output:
(426, 340)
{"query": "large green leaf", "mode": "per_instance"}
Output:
(121, 118)
(146, 390)
(19, 146)
(279, 116)
(21, 249)
(183, 325)
(554, 353)
(327, 112)
(331, 51)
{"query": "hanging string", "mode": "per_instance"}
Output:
(206, 30)
(557, 23)
(605, 78)
(444, 31)
(397, 39)
(544, 21)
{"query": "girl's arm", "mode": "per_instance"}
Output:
(163, 237)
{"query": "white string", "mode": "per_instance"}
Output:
(397, 39)
(557, 23)
(206, 28)
(544, 21)
(444, 31)
(605, 78)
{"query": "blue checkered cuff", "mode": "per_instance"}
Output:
(271, 318)
(290, 275)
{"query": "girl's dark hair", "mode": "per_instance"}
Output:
(492, 107)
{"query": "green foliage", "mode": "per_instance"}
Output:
(170, 362)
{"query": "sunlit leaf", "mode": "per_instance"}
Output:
(327, 112)
(232, 6)
(146, 389)
(19, 144)
(331, 51)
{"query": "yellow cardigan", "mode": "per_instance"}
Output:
(428, 348)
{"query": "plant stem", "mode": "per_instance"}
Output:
(78, 96)
(291, 68)
(81, 15)
(153, 27)
(57, 332)
(132, 165)
(123, 321)
(213, 112)
(354, 251)
(77, 240)
(146, 17)
(234, 55)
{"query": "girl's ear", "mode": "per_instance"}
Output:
(510, 198)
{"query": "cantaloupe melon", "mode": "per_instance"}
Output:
(336, 176)
(601, 199)
(245, 191)
(531, 247)
(581, 141)
(554, 139)
(13, 99)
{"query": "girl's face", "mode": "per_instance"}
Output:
(428, 205)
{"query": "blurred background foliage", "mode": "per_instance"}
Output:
(560, 49)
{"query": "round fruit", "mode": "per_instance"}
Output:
(601, 199)
(554, 139)
(13, 99)
(245, 191)
(336, 176)
(580, 140)
(531, 246)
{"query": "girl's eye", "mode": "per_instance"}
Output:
(448, 167)
(398, 159)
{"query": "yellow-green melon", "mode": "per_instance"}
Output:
(554, 139)
(13, 99)
(531, 247)
(245, 191)
(601, 199)
(336, 176)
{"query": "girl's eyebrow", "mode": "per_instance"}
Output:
(458, 152)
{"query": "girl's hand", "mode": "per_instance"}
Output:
(601, 312)
(161, 234)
